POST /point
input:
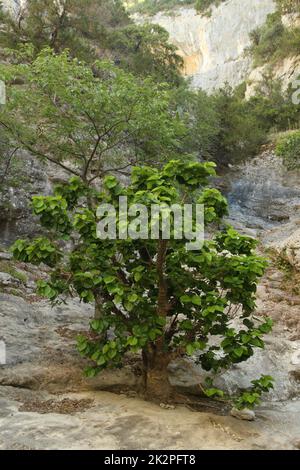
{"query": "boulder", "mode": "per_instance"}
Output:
(279, 359)
(6, 280)
(245, 414)
(41, 348)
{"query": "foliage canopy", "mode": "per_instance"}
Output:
(157, 298)
(76, 117)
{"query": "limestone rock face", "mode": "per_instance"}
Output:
(13, 5)
(287, 71)
(263, 195)
(213, 46)
(16, 217)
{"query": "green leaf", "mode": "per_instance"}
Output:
(185, 299)
(246, 338)
(212, 392)
(129, 306)
(190, 349)
(152, 334)
(82, 347)
(133, 298)
(137, 276)
(110, 182)
(238, 352)
(132, 341)
(96, 355)
(101, 361)
(112, 354)
(90, 372)
(196, 300)
(95, 324)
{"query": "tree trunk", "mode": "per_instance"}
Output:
(98, 306)
(156, 358)
(157, 385)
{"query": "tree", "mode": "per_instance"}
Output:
(240, 132)
(199, 112)
(145, 49)
(272, 107)
(87, 121)
(91, 30)
(81, 26)
(159, 298)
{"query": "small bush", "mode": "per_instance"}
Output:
(289, 149)
(204, 6)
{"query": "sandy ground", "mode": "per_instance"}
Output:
(120, 423)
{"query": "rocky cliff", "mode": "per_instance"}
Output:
(13, 5)
(213, 47)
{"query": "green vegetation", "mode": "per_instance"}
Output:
(160, 299)
(227, 128)
(64, 112)
(223, 127)
(240, 133)
(204, 6)
(7, 267)
(144, 50)
(98, 96)
(288, 6)
(151, 7)
(273, 108)
(79, 25)
(90, 30)
(273, 41)
(288, 148)
(251, 397)
(198, 111)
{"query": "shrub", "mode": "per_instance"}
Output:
(289, 149)
(151, 7)
(273, 41)
(204, 6)
(288, 6)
